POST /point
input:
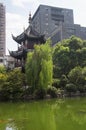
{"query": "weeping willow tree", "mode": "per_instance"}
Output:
(39, 66)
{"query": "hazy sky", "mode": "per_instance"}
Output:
(17, 13)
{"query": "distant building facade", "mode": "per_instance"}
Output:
(56, 23)
(2, 30)
(7, 61)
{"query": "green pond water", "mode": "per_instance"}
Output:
(57, 114)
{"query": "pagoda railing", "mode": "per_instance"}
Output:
(18, 64)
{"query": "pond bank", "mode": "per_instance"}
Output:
(60, 95)
(29, 97)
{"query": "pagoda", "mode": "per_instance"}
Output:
(26, 42)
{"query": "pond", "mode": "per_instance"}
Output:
(56, 114)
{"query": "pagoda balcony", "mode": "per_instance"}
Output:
(20, 48)
(18, 64)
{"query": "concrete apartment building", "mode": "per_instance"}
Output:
(2, 29)
(2, 32)
(56, 23)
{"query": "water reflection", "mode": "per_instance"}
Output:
(67, 114)
(11, 125)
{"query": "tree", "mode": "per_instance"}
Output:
(77, 76)
(11, 85)
(81, 56)
(68, 54)
(75, 43)
(61, 60)
(39, 66)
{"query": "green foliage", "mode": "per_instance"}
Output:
(71, 87)
(77, 76)
(84, 73)
(2, 69)
(56, 83)
(75, 43)
(3, 78)
(15, 79)
(81, 56)
(63, 81)
(68, 54)
(39, 66)
(61, 60)
(69, 58)
(84, 43)
(52, 91)
(40, 93)
(11, 85)
(67, 67)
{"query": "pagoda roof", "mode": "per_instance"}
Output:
(18, 54)
(29, 34)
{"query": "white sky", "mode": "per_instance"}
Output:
(17, 12)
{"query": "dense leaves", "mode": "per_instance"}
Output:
(11, 85)
(69, 54)
(65, 63)
(2, 69)
(39, 66)
(69, 60)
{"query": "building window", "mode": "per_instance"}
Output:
(46, 9)
(46, 24)
(46, 14)
(1, 60)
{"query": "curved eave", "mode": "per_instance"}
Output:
(19, 38)
(18, 54)
(15, 54)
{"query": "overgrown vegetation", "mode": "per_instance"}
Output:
(39, 68)
(11, 85)
(54, 71)
(69, 59)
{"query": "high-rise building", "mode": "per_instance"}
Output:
(56, 23)
(46, 19)
(2, 30)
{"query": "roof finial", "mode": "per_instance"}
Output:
(24, 29)
(29, 18)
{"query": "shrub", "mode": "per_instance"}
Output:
(11, 85)
(71, 87)
(56, 83)
(82, 88)
(40, 93)
(63, 81)
(5, 92)
(27, 92)
(52, 91)
(15, 79)
(2, 69)
(3, 78)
